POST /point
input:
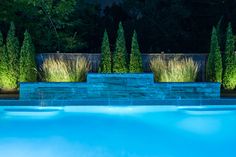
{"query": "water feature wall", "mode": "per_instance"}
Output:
(119, 86)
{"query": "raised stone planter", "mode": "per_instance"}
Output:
(119, 86)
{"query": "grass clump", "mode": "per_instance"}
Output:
(174, 70)
(62, 70)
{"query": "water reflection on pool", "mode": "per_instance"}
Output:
(99, 131)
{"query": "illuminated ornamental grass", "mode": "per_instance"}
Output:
(61, 70)
(174, 70)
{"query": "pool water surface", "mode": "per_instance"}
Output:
(106, 131)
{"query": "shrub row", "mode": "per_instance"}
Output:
(16, 64)
(118, 61)
(218, 69)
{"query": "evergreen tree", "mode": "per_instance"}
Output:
(105, 65)
(10, 60)
(220, 33)
(28, 72)
(136, 64)
(1, 56)
(120, 54)
(214, 63)
(229, 76)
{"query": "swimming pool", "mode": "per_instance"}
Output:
(114, 115)
(118, 131)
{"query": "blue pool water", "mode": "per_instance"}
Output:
(106, 131)
(114, 115)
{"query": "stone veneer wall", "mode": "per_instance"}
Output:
(119, 87)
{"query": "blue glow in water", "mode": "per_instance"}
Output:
(119, 131)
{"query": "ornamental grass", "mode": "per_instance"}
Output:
(174, 70)
(62, 70)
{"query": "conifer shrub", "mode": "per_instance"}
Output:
(214, 62)
(229, 75)
(120, 54)
(136, 64)
(28, 70)
(105, 65)
(10, 61)
(2, 49)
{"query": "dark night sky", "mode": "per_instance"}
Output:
(104, 3)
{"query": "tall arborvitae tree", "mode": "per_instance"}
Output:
(214, 63)
(3, 62)
(1, 56)
(28, 72)
(229, 76)
(220, 32)
(105, 65)
(136, 64)
(120, 54)
(11, 60)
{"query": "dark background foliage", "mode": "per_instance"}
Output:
(78, 25)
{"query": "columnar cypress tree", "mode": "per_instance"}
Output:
(214, 63)
(1, 56)
(105, 65)
(136, 64)
(11, 60)
(120, 54)
(3, 63)
(229, 76)
(220, 32)
(28, 72)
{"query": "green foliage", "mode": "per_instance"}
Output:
(229, 76)
(214, 63)
(220, 32)
(105, 65)
(2, 47)
(174, 70)
(55, 14)
(1, 39)
(136, 64)
(10, 61)
(61, 70)
(28, 71)
(57, 22)
(120, 54)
